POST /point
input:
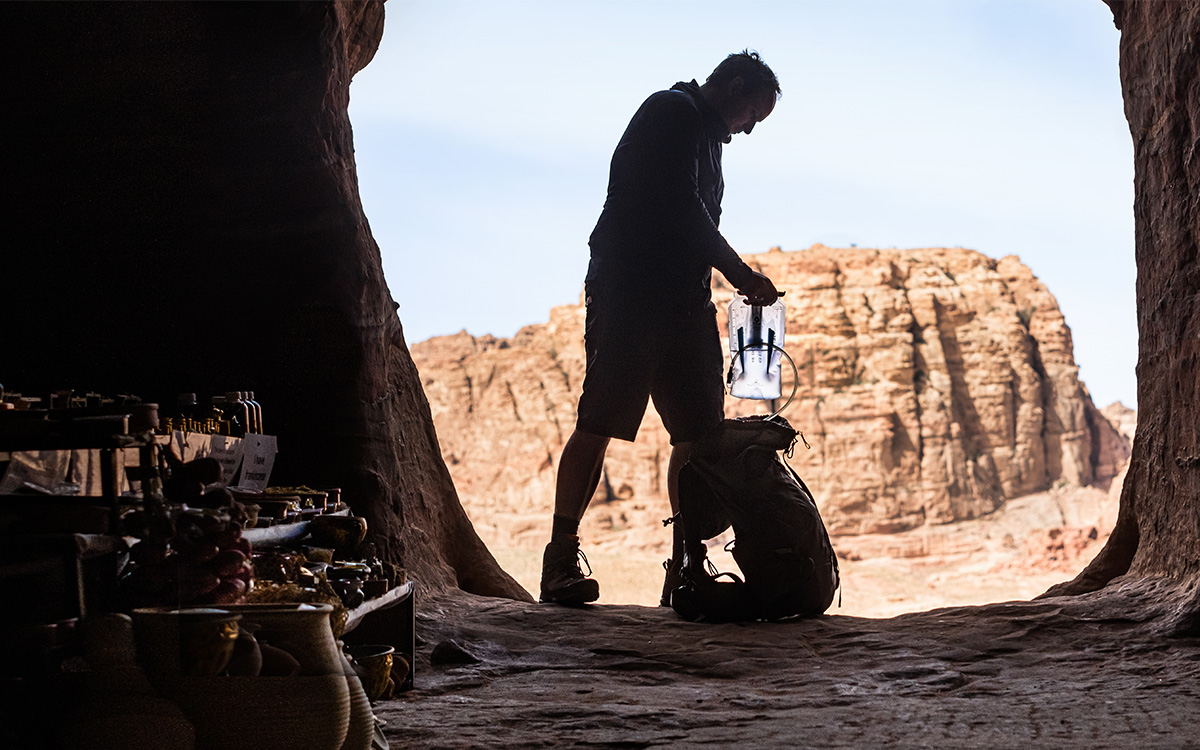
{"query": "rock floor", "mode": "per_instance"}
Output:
(1084, 672)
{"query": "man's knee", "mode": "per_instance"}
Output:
(586, 442)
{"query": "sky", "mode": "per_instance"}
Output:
(483, 132)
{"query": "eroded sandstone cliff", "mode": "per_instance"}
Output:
(933, 385)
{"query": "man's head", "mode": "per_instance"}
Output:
(743, 90)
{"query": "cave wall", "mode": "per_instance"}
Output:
(1158, 528)
(184, 216)
(1160, 77)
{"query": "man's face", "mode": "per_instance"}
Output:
(747, 111)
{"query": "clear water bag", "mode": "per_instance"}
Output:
(755, 349)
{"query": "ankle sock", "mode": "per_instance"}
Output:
(564, 527)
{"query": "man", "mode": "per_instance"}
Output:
(651, 326)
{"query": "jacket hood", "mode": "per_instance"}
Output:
(714, 124)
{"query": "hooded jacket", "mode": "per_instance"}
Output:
(657, 238)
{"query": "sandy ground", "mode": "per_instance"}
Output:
(998, 558)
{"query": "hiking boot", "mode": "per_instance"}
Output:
(563, 582)
(697, 565)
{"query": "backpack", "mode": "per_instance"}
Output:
(736, 477)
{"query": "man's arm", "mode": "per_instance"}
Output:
(677, 142)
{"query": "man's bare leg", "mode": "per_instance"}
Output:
(679, 456)
(579, 470)
(680, 453)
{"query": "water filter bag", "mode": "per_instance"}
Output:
(755, 346)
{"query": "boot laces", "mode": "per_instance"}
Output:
(584, 560)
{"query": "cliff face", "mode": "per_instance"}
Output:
(933, 385)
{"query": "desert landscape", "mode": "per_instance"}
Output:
(955, 454)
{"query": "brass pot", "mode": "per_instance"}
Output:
(373, 665)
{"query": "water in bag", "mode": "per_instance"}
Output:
(755, 346)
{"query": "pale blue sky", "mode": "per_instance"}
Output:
(483, 131)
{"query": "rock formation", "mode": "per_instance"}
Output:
(1158, 529)
(184, 216)
(932, 384)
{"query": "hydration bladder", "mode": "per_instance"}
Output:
(756, 349)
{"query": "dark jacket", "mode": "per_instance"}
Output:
(657, 238)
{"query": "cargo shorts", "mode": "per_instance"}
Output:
(633, 355)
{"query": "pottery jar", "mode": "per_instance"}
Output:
(303, 630)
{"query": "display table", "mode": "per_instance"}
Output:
(388, 620)
(274, 536)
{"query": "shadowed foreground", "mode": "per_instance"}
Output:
(1054, 673)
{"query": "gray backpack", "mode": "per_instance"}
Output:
(736, 477)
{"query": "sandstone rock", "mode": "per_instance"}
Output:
(1065, 674)
(1158, 529)
(1122, 418)
(1060, 548)
(933, 385)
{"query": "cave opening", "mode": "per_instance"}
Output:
(423, 158)
(161, 142)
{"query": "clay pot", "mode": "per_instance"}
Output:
(303, 630)
(309, 710)
(362, 718)
(267, 713)
(175, 643)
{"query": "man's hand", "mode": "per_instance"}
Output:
(759, 290)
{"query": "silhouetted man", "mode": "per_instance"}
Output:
(651, 325)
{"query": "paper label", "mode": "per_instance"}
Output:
(258, 457)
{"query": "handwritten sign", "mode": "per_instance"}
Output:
(189, 446)
(258, 457)
(228, 451)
